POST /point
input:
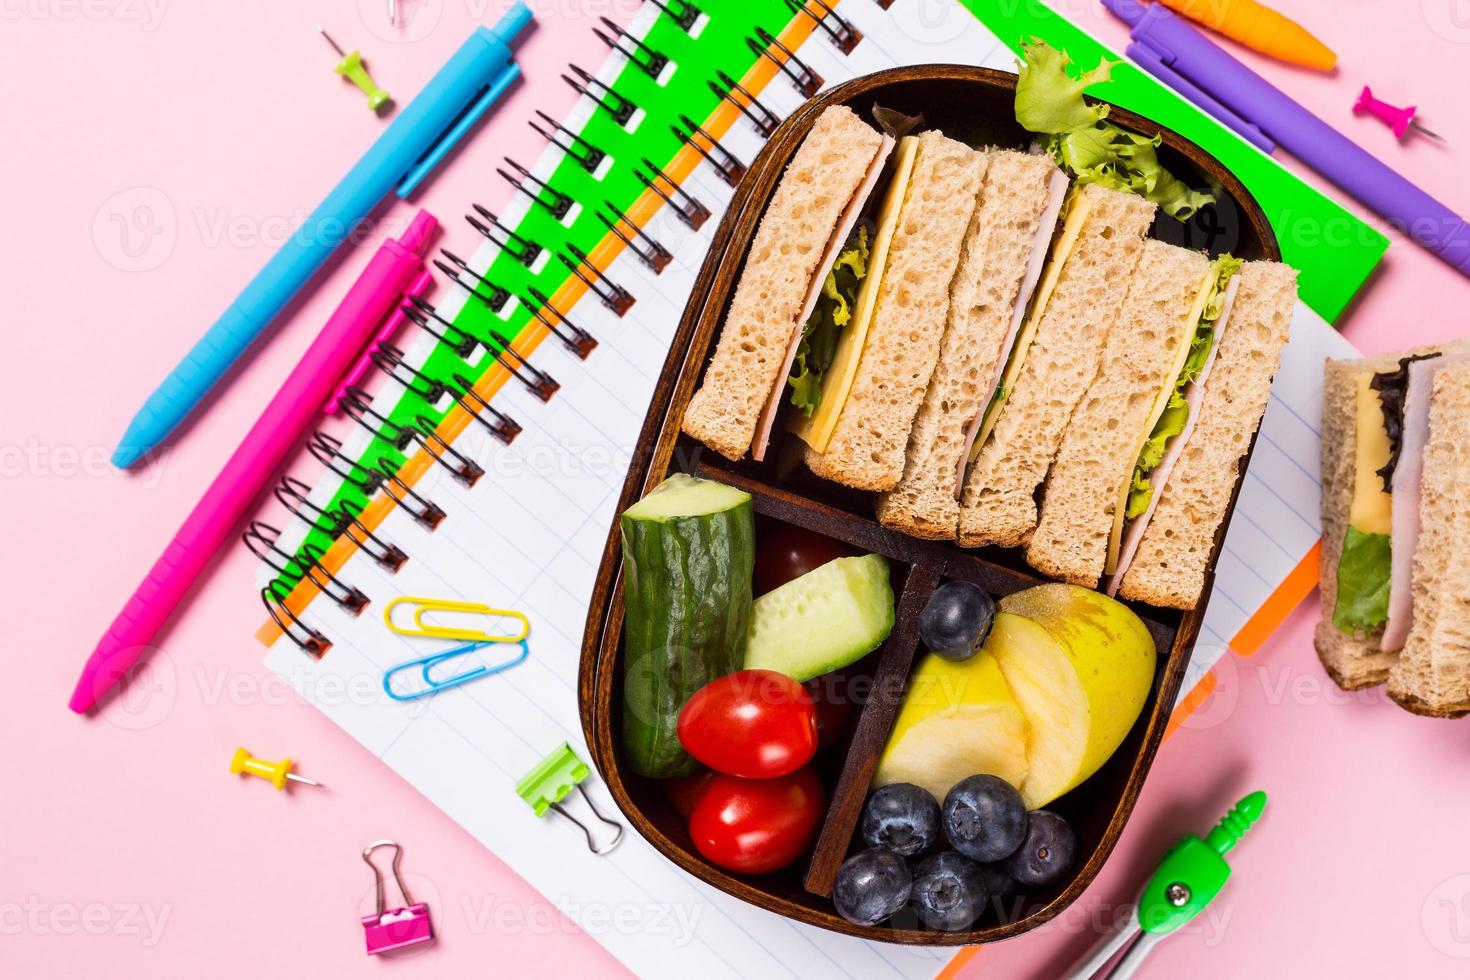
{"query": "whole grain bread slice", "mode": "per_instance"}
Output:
(824, 174)
(1103, 438)
(998, 506)
(1172, 560)
(867, 446)
(1432, 674)
(982, 300)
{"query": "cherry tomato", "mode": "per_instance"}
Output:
(753, 826)
(684, 791)
(752, 723)
(833, 703)
(784, 552)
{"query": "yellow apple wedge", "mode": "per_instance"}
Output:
(957, 719)
(1080, 665)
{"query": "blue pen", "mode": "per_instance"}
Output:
(424, 132)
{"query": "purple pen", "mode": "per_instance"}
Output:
(1185, 59)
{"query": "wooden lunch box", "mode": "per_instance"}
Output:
(974, 105)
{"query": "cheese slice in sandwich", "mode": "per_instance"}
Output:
(1000, 266)
(1139, 373)
(818, 196)
(1179, 505)
(1051, 363)
(868, 442)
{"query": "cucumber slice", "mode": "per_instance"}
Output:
(827, 619)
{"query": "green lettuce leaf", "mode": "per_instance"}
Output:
(1363, 575)
(823, 329)
(1049, 102)
(1176, 413)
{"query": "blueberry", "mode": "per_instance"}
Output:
(949, 891)
(984, 818)
(956, 620)
(998, 881)
(1047, 852)
(902, 817)
(871, 885)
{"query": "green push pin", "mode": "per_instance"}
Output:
(350, 67)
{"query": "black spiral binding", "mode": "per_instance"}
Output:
(390, 360)
(588, 157)
(526, 252)
(613, 296)
(642, 244)
(261, 539)
(577, 340)
(537, 381)
(644, 58)
(428, 514)
(622, 109)
(357, 404)
(464, 469)
(559, 206)
(682, 12)
(457, 267)
(764, 120)
(326, 449)
(294, 495)
(422, 312)
(503, 427)
(802, 75)
(725, 163)
(310, 641)
(685, 205)
(840, 32)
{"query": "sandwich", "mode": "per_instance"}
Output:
(887, 362)
(1051, 363)
(1147, 466)
(1395, 600)
(811, 216)
(1001, 261)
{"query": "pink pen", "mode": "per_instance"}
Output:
(395, 271)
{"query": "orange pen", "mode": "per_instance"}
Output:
(1259, 28)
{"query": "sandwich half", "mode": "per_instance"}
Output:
(1051, 363)
(1142, 360)
(1186, 476)
(811, 216)
(897, 355)
(1000, 266)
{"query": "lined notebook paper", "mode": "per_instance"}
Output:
(529, 534)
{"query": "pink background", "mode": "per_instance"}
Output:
(127, 850)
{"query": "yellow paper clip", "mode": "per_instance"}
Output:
(421, 628)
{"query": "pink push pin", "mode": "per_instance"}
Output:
(1399, 120)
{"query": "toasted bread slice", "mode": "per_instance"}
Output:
(867, 446)
(983, 296)
(1432, 675)
(824, 174)
(998, 506)
(1100, 446)
(1169, 566)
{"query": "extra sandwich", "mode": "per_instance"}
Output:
(1144, 475)
(1001, 262)
(1395, 601)
(1051, 363)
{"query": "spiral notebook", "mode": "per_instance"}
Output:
(487, 458)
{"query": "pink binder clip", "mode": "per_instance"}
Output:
(392, 929)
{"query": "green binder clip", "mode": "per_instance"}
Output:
(552, 781)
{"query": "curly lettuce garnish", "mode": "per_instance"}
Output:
(1077, 134)
(823, 329)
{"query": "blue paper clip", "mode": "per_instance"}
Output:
(426, 664)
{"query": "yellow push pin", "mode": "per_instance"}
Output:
(350, 67)
(276, 772)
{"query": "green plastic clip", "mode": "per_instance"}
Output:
(552, 780)
(351, 68)
(1194, 870)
